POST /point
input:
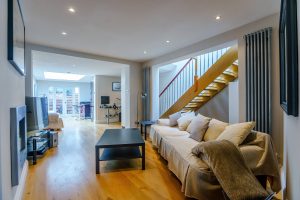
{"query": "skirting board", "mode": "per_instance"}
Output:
(105, 122)
(21, 186)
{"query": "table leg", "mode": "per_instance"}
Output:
(145, 132)
(143, 157)
(34, 152)
(97, 160)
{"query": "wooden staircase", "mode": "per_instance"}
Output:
(213, 81)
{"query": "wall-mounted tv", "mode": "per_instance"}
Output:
(104, 100)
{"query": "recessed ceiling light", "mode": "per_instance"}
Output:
(218, 17)
(71, 10)
(168, 41)
(145, 52)
(64, 33)
(63, 76)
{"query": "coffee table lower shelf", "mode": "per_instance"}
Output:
(120, 153)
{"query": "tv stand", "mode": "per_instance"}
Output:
(38, 144)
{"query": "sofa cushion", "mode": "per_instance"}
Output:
(157, 132)
(179, 155)
(198, 127)
(185, 120)
(173, 118)
(215, 128)
(163, 122)
(237, 133)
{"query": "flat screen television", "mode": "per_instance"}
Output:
(104, 100)
(37, 113)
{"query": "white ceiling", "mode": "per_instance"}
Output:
(50, 62)
(125, 28)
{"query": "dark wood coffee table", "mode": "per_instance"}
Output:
(120, 144)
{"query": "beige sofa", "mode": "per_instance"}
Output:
(198, 181)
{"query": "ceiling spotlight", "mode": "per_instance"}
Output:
(63, 33)
(168, 41)
(218, 17)
(145, 52)
(71, 10)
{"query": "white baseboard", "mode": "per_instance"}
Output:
(21, 186)
(105, 122)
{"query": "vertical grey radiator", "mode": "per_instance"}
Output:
(145, 94)
(258, 79)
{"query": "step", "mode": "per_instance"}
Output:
(226, 77)
(217, 85)
(220, 81)
(211, 88)
(191, 106)
(229, 72)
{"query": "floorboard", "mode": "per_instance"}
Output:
(68, 171)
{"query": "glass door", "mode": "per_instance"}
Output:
(59, 101)
(64, 101)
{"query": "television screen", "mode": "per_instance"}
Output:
(104, 100)
(37, 113)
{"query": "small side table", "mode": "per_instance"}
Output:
(145, 124)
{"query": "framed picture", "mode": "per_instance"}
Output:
(116, 86)
(16, 36)
(288, 44)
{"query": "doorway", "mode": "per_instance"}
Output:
(64, 101)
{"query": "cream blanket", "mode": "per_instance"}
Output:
(229, 167)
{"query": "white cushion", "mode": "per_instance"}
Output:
(237, 133)
(185, 120)
(173, 118)
(215, 128)
(198, 127)
(163, 122)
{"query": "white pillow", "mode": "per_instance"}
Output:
(173, 118)
(198, 127)
(237, 133)
(215, 128)
(163, 122)
(185, 120)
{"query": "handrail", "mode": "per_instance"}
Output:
(186, 64)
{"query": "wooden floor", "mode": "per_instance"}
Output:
(68, 171)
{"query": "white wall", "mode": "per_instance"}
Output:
(217, 107)
(234, 116)
(12, 90)
(154, 93)
(84, 88)
(292, 143)
(103, 87)
(125, 96)
(135, 79)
